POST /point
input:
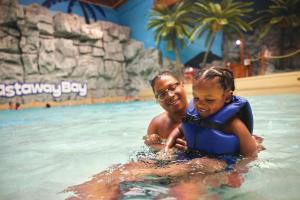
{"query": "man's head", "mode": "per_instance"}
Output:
(169, 92)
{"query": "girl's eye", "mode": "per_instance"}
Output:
(210, 100)
(196, 99)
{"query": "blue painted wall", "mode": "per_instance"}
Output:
(135, 14)
(111, 15)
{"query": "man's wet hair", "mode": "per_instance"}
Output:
(225, 75)
(158, 76)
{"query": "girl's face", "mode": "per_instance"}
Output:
(209, 96)
(170, 94)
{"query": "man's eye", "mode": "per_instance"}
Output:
(172, 87)
(161, 95)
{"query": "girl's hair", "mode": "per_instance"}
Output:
(225, 75)
(158, 76)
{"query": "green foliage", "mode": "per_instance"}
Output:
(227, 16)
(171, 24)
(284, 13)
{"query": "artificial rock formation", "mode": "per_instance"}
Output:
(37, 46)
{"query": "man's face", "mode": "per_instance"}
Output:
(170, 94)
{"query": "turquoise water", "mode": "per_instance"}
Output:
(43, 151)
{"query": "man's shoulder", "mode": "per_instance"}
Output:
(161, 116)
(157, 123)
(160, 119)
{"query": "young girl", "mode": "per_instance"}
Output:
(216, 121)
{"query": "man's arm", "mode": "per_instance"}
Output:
(152, 139)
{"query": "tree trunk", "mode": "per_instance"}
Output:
(177, 63)
(208, 50)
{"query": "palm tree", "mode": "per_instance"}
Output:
(282, 13)
(227, 16)
(172, 25)
(85, 7)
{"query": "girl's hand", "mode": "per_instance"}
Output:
(181, 144)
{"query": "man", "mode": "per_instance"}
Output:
(170, 94)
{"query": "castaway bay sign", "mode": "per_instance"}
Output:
(64, 87)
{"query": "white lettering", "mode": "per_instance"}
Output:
(19, 89)
(10, 92)
(26, 89)
(83, 90)
(2, 90)
(65, 87)
(75, 88)
(37, 88)
(56, 91)
(47, 88)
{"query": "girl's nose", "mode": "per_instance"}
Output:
(200, 103)
(199, 107)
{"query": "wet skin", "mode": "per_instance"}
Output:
(209, 96)
(172, 98)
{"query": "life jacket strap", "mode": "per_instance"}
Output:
(203, 122)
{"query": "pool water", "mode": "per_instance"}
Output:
(43, 151)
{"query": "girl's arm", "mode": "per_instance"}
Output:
(176, 133)
(248, 146)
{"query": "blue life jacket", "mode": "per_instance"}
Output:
(207, 135)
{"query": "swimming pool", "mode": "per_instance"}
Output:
(43, 151)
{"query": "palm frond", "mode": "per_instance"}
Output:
(86, 17)
(87, 9)
(225, 16)
(100, 10)
(91, 11)
(70, 6)
(283, 13)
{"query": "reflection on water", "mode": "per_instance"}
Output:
(43, 151)
(151, 188)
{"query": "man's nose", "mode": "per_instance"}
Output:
(170, 93)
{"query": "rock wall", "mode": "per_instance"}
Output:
(37, 46)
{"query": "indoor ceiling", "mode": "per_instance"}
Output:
(106, 3)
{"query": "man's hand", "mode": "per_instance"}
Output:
(181, 144)
(152, 139)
